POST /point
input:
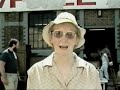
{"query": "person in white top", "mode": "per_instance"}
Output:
(107, 51)
(105, 63)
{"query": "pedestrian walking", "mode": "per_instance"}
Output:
(8, 65)
(105, 63)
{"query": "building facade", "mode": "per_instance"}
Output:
(102, 28)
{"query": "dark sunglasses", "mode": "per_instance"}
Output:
(68, 35)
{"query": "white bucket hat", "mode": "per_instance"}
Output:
(61, 18)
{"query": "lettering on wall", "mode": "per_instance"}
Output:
(80, 2)
(1, 3)
(12, 3)
(33, 5)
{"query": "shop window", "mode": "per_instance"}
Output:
(37, 20)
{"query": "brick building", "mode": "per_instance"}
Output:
(102, 26)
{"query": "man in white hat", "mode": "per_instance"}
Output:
(63, 69)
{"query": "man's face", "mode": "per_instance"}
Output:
(16, 47)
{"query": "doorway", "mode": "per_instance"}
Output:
(97, 39)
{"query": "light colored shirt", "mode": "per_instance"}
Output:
(44, 75)
(105, 60)
(104, 67)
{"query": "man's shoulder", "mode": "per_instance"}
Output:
(4, 55)
(5, 51)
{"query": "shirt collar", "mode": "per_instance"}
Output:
(48, 61)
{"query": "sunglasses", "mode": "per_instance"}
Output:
(68, 35)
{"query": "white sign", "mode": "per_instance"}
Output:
(37, 5)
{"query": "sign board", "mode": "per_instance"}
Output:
(39, 5)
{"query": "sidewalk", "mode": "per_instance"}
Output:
(110, 85)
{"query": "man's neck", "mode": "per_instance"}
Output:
(11, 49)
